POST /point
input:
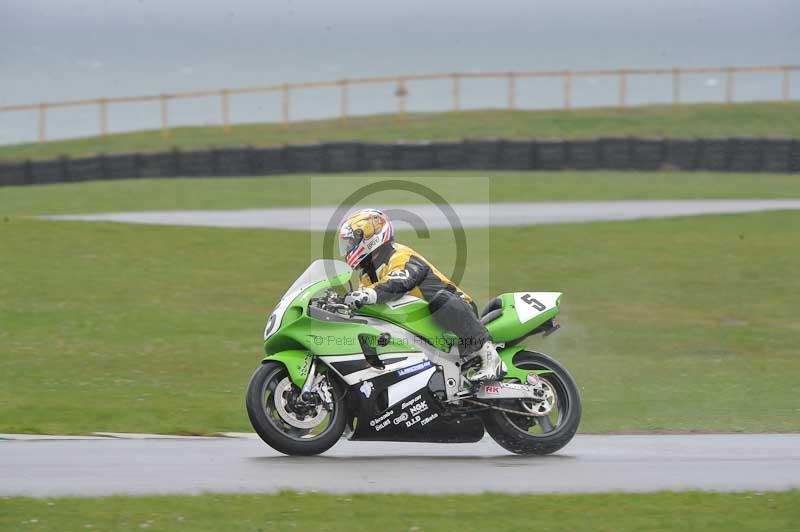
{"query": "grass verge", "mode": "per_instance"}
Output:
(295, 511)
(157, 329)
(697, 120)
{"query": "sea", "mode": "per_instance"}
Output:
(65, 58)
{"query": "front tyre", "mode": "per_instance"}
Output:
(285, 423)
(526, 434)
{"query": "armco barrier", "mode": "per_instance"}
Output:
(614, 153)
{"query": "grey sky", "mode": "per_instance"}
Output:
(400, 16)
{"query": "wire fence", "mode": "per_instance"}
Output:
(457, 79)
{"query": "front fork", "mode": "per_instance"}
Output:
(305, 391)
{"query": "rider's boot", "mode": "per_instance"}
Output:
(492, 366)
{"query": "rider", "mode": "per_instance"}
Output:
(390, 270)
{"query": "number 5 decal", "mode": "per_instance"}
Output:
(535, 303)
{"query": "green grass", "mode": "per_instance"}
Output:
(259, 192)
(672, 324)
(296, 511)
(698, 120)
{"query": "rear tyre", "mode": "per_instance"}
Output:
(285, 425)
(523, 434)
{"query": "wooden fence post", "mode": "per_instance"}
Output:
(285, 101)
(401, 93)
(343, 101)
(103, 117)
(729, 81)
(224, 96)
(567, 89)
(456, 92)
(676, 86)
(42, 122)
(164, 117)
(786, 86)
(512, 89)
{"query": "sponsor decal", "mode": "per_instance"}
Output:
(416, 368)
(402, 417)
(515, 386)
(381, 418)
(413, 421)
(428, 419)
(382, 425)
(419, 407)
(366, 389)
(306, 365)
(410, 402)
(493, 389)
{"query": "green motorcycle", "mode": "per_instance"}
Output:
(389, 373)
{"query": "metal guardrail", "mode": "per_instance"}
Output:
(401, 91)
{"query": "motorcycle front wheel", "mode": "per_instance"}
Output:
(286, 424)
(525, 433)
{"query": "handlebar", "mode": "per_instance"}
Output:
(332, 303)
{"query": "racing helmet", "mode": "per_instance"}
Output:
(363, 232)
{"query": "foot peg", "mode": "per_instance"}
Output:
(492, 366)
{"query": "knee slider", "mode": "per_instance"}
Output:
(441, 299)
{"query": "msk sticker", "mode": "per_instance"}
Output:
(414, 369)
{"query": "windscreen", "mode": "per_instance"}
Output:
(319, 270)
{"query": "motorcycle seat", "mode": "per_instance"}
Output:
(492, 311)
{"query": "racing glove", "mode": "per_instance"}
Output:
(357, 298)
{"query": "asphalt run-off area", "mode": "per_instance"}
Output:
(590, 463)
(434, 217)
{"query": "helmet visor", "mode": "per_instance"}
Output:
(347, 244)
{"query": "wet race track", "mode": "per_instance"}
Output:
(465, 214)
(590, 463)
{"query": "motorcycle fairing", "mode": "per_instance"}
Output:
(517, 314)
(354, 369)
(297, 361)
(513, 372)
(414, 416)
(293, 335)
(412, 314)
(297, 295)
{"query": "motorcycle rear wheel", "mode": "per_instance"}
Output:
(268, 409)
(537, 435)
